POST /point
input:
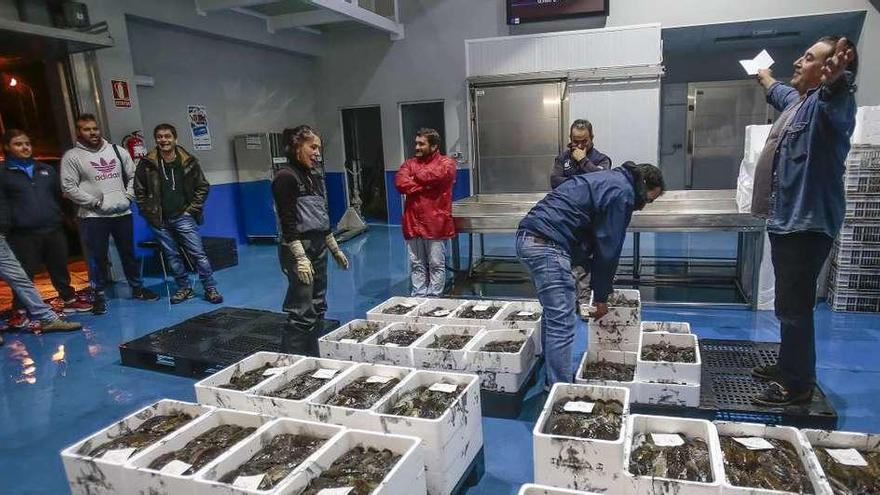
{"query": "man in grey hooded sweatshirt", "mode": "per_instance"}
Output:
(98, 176)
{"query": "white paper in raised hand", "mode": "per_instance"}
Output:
(762, 60)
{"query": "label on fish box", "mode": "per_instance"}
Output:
(249, 482)
(324, 374)
(667, 439)
(441, 312)
(480, 307)
(175, 468)
(392, 344)
(118, 455)
(526, 314)
(408, 304)
(274, 371)
(348, 341)
(379, 379)
(336, 491)
(754, 443)
(446, 388)
(579, 406)
(847, 457)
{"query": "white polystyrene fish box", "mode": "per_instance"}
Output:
(786, 433)
(215, 390)
(666, 326)
(449, 442)
(620, 357)
(318, 409)
(342, 344)
(211, 479)
(613, 337)
(379, 313)
(407, 476)
(624, 309)
(376, 350)
(574, 462)
(690, 428)
(173, 477)
(481, 305)
(264, 399)
(444, 359)
(494, 381)
(437, 311)
(89, 475)
(519, 314)
(667, 394)
(667, 371)
(520, 361)
(533, 489)
(822, 440)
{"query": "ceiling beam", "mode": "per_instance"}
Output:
(362, 16)
(205, 6)
(303, 19)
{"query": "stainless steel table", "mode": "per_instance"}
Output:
(675, 211)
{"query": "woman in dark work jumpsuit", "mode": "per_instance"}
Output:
(301, 204)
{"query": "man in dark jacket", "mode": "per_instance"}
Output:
(799, 189)
(171, 189)
(36, 236)
(580, 157)
(587, 214)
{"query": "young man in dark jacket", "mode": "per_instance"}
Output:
(36, 236)
(170, 189)
(587, 215)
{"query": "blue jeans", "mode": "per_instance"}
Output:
(185, 230)
(549, 267)
(13, 274)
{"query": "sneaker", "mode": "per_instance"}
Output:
(99, 305)
(18, 319)
(770, 372)
(182, 294)
(144, 294)
(776, 395)
(212, 295)
(77, 305)
(59, 325)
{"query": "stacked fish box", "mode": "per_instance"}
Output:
(234, 382)
(854, 276)
(619, 329)
(380, 398)
(578, 439)
(668, 369)
(649, 382)
(222, 451)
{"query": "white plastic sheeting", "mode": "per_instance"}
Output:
(756, 136)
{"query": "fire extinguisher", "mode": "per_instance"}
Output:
(134, 142)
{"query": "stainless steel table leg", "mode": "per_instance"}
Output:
(456, 254)
(636, 257)
(758, 238)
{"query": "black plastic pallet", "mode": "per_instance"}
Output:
(475, 471)
(727, 387)
(209, 342)
(508, 405)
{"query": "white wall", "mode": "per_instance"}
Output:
(251, 89)
(363, 67)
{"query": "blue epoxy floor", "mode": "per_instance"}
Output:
(47, 408)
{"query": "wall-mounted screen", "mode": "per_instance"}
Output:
(522, 11)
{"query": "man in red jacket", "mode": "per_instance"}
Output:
(426, 180)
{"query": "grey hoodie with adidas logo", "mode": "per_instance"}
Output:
(97, 182)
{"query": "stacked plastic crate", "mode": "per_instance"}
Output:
(854, 277)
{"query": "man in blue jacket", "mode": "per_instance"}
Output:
(799, 189)
(586, 217)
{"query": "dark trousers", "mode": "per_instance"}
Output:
(34, 250)
(96, 232)
(797, 261)
(305, 305)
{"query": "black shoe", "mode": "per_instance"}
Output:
(776, 395)
(182, 294)
(212, 295)
(99, 305)
(144, 294)
(770, 372)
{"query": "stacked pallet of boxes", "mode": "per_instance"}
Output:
(854, 276)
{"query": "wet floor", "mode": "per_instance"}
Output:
(56, 389)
